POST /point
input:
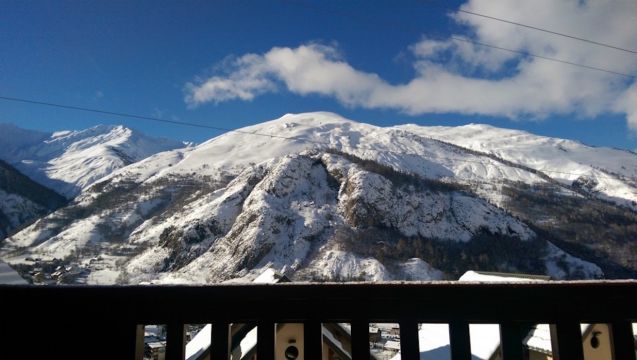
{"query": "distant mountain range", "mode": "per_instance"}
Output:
(70, 161)
(319, 197)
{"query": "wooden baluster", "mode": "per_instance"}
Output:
(176, 341)
(137, 330)
(409, 349)
(511, 337)
(265, 340)
(220, 341)
(566, 341)
(623, 340)
(313, 340)
(360, 339)
(460, 341)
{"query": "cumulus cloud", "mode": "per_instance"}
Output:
(455, 76)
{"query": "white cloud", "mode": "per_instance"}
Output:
(627, 103)
(471, 78)
(248, 77)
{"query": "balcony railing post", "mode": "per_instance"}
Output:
(265, 340)
(566, 341)
(409, 340)
(623, 340)
(220, 342)
(511, 337)
(138, 331)
(176, 341)
(460, 340)
(360, 339)
(313, 340)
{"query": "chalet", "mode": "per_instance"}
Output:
(392, 345)
(155, 350)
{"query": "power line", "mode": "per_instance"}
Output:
(457, 38)
(548, 31)
(289, 138)
(126, 115)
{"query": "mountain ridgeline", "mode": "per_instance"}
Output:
(329, 199)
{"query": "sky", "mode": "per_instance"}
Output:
(235, 63)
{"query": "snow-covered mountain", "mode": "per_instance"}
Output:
(23, 200)
(319, 197)
(609, 174)
(69, 161)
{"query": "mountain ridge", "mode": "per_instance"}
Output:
(69, 161)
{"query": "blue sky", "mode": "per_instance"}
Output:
(147, 58)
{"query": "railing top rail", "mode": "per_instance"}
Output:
(585, 301)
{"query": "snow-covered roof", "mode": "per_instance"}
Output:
(156, 345)
(270, 276)
(539, 339)
(327, 334)
(266, 277)
(247, 344)
(153, 329)
(393, 345)
(476, 276)
(199, 344)
(10, 276)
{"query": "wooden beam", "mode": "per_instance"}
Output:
(409, 348)
(360, 339)
(313, 340)
(175, 341)
(138, 329)
(623, 340)
(220, 341)
(566, 341)
(511, 337)
(460, 340)
(265, 340)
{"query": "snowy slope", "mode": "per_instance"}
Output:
(609, 173)
(314, 196)
(291, 134)
(23, 200)
(69, 161)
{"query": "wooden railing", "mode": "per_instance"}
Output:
(104, 322)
